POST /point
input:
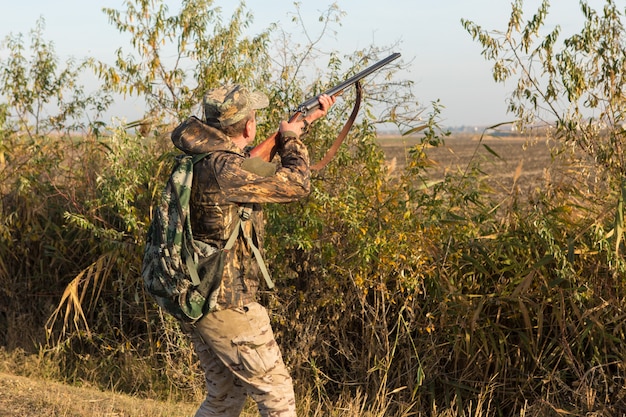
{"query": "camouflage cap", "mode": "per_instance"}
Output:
(229, 104)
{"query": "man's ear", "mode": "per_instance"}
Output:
(249, 129)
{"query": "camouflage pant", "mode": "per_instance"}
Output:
(240, 357)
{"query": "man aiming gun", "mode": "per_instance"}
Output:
(234, 341)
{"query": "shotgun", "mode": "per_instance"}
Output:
(267, 149)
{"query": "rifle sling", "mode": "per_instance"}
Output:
(342, 135)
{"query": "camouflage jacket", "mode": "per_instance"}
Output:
(221, 185)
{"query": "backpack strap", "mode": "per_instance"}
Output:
(191, 258)
(192, 267)
(197, 157)
(244, 214)
(233, 236)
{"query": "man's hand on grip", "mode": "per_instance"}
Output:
(301, 124)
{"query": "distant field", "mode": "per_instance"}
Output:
(460, 149)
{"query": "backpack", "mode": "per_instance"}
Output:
(181, 273)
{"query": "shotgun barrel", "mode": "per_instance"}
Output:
(313, 102)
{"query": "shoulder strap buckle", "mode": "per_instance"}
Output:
(245, 212)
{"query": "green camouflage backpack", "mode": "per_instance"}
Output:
(179, 272)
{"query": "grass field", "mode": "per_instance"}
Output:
(500, 157)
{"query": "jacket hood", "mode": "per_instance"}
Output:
(194, 136)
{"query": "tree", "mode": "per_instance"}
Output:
(177, 57)
(574, 87)
(41, 97)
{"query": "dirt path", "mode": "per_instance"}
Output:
(31, 397)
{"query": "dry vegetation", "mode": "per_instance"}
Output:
(496, 289)
(36, 396)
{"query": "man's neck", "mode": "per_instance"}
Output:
(240, 142)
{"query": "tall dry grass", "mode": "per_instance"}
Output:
(397, 295)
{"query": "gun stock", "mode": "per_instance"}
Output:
(267, 149)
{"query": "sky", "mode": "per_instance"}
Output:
(446, 64)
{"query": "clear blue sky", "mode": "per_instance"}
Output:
(447, 64)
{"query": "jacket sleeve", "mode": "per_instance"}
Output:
(290, 182)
